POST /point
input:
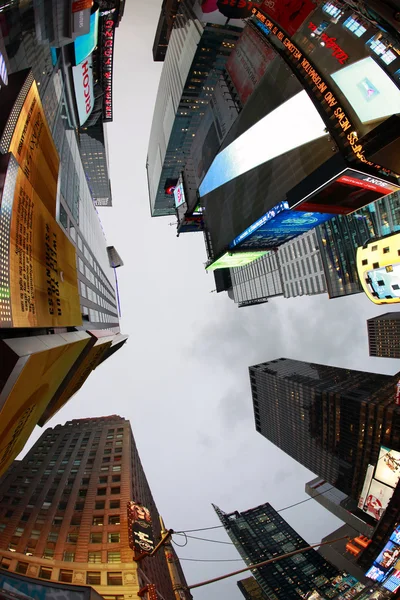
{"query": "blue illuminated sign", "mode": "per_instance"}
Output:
(278, 226)
(85, 44)
(261, 26)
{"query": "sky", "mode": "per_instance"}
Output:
(182, 378)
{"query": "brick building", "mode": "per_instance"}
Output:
(63, 510)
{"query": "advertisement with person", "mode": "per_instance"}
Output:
(248, 63)
(388, 466)
(40, 282)
(389, 556)
(141, 536)
(32, 144)
(378, 498)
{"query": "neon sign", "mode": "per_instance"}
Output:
(107, 66)
(330, 42)
(329, 100)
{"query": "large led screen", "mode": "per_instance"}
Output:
(85, 44)
(350, 190)
(385, 282)
(236, 259)
(368, 89)
(294, 123)
(377, 499)
(388, 466)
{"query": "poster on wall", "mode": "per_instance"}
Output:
(388, 467)
(378, 498)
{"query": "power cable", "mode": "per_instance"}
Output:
(193, 537)
(212, 560)
(181, 545)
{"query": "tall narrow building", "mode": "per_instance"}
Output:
(64, 511)
(331, 420)
(261, 533)
(384, 335)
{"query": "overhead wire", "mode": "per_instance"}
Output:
(181, 545)
(193, 537)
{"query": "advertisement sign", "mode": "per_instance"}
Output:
(377, 499)
(350, 190)
(79, 5)
(21, 587)
(208, 11)
(277, 226)
(392, 583)
(33, 147)
(397, 399)
(30, 384)
(288, 14)
(388, 466)
(83, 83)
(179, 195)
(3, 71)
(367, 482)
(388, 557)
(141, 538)
(107, 56)
(236, 259)
(38, 272)
(85, 44)
(248, 63)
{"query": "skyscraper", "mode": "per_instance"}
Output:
(301, 266)
(384, 335)
(251, 589)
(260, 534)
(329, 419)
(64, 510)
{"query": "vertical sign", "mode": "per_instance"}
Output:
(107, 52)
(141, 538)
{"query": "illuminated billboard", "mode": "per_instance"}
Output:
(251, 149)
(288, 14)
(107, 38)
(32, 370)
(379, 485)
(3, 71)
(215, 11)
(38, 273)
(141, 537)
(83, 82)
(348, 191)
(278, 225)
(370, 91)
(388, 467)
(248, 62)
(85, 44)
(27, 135)
(378, 269)
(179, 195)
(378, 497)
(237, 259)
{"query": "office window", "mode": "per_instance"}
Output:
(114, 578)
(99, 505)
(79, 505)
(76, 520)
(69, 556)
(2, 527)
(5, 562)
(21, 568)
(35, 534)
(72, 538)
(9, 513)
(94, 557)
(45, 572)
(93, 577)
(116, 468)
(57, 521)
(114, 503)
(116, 478)
(53, 536)
(98, 520)
(114, 557)
(103, 478)
(96, 538)
(114, 538)
(114, 520)
(115, 490)
(106, 459)
(104, 469)
(48, 553)
(19, 531)
(101, 491)
(65, 576)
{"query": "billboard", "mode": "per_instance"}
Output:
(38, 272)
(278, 225)
(377, 499)
(3, 71)
(388, 467)
(214, 11)
(85, 44)
(107, 28)
(288, 14)
(32, 370)
(32, 145)
(83, 83)
(252, 149)
(141, 538)
(236, 259)
(348, 191)
(179, 195)
(248, 63)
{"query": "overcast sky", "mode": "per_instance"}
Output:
(182, 378)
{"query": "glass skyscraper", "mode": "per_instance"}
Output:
(329, 419)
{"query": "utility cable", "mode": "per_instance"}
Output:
(213, 560)
(181, 545)
(193, 537)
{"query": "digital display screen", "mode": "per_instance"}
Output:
(348, 192)
(85, 44)
(368, 89)
(236, 259)
(385, 282)
(265, 140)
(388, 465)
(280, 228)
(179, 195)
(392, 583)
(376, 574)
(377, 499)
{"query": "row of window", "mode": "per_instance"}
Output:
(72, 538)
(65, 575)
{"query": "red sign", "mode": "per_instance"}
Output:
(368, 183)
(288, 14)
(79, 5)
(235, 9)
(398, 393)
(330, 42)
(141, 538)
(107, 53)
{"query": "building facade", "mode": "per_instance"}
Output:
(251, 589)
(257, 282)
(337, 554)
(64, 511)
(329, 419)
(384, 335)
(94, 152)
(261, 533)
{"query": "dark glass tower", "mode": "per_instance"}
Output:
(384, 335)
(261, 533)
(331, 420)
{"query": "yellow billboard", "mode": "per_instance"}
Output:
(33, 147)
(39, 281)
(33, 381)
(87, 363)
(378, 269)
